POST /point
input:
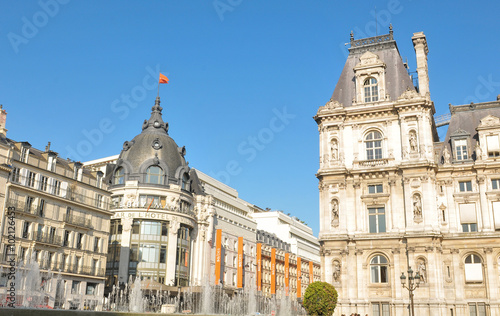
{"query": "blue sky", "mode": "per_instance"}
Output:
(246, 77)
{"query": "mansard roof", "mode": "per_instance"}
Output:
(384, 46)
(465, 119)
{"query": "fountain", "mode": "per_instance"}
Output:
(136, 301)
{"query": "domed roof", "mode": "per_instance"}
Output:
(153, 147)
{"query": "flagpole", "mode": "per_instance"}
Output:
(158, 94)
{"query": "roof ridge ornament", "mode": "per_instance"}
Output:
(156, 119)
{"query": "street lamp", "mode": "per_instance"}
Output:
(413, 283)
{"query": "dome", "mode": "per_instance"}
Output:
(152, 157)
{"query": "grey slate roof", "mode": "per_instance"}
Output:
(397, 78)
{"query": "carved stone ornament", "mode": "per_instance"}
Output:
(489, 121)
(330, 105)
(182, 150)
(409, 94)
(336, 267)
(422, 270)
(127, 145)
(130, 198)
(446, 155)
(127, 224)
(156, 161)
(157, 144)
(334, 149)
(417, 206)
(335, 212)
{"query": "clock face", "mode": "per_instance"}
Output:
(156, 124)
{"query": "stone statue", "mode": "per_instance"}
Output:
(446, 155)
(421, 269)
(334, 150)
(413, 141)
(335, 211)
(417, 205)
(336, 271)
(479, 152)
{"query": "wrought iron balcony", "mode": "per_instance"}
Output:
(48, 239)
(78, 221)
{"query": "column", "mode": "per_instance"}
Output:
(125, 250)
(172, 250)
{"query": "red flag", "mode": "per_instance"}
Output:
(163, 78)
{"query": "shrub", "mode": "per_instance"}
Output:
(320, 299)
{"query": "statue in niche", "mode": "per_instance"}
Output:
(336, 271)
(417, 205)
(335, 211)
(446, 155)
(422, 270)
(413, 141)
(334, 150)
(479, 152)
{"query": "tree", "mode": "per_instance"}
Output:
(320, 299)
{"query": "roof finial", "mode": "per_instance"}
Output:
(352, 36)
(390, 30)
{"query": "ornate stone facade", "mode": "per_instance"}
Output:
(400, 198)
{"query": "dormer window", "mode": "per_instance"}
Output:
(51, 166)
(24, 154)
(493, 146)
(155, 175)
(461, 149)
(371, 90)
(119, 176)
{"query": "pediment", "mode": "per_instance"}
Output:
(369, 59)
(460, 133)
(409, 94)
(489, 121)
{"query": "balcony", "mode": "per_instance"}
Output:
(48, 239)
(68, 193)
(78, 221)
(23, 207)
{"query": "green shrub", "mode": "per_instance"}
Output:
(320, 299)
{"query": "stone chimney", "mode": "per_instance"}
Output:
(3, 119)
(421, 51)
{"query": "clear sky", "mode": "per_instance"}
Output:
(246, 77)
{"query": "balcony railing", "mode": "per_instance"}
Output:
(48, 239)
(373, 162)
(57, 190)
(24, 207)
(78, 221)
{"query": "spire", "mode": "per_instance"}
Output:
(155, 122)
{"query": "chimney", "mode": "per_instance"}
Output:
(3, 119)
(421, 51)
(47, 148)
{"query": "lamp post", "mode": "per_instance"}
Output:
(413, 283)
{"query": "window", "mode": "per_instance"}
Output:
(496, 214)
(493, 146)
(477, 309)
(495, 184)
(154, 175)
(185, 182)
(24, 154)
(381, 309)
(465, 186)
(163, 254)
(461, 149)
(31, 179)
(378, 269)
(41, 208)
(29, 203)
(99, 200)
(468, 217)
(119, 176)
(373, 142)
(57, 187)
(473, 269)
(377, 219)
(43, 183)
(26, 229)
(75, 287)
(51, 166)
(66, 238)
(96, 244)
(371, 90)
(91, 288)
(15, 175)
(79, 241)
(375, 188)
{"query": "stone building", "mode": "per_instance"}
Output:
(166, 216)
(392, 196)
(57, 215)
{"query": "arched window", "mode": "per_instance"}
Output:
(185, 182)
(371, 90)
(373, 143)
(473, 269)
(155, 175)
(378, 269)
(119, 176)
